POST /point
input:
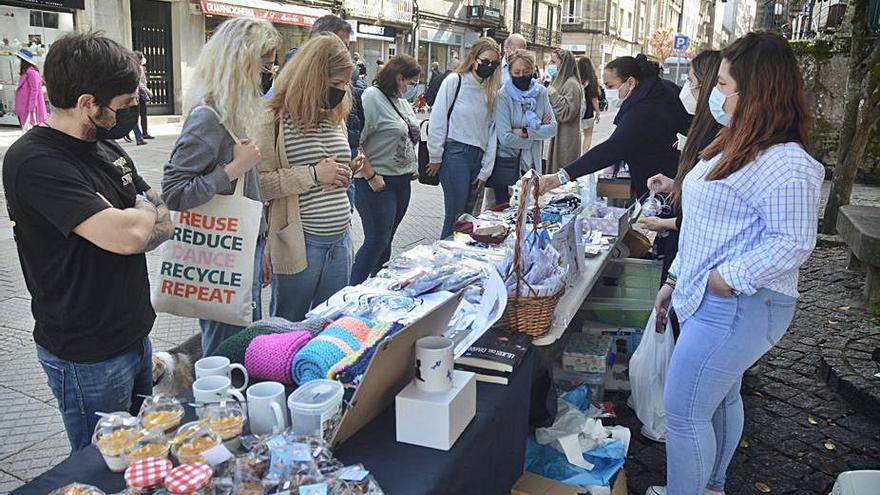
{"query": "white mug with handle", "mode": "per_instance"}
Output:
(211, 389)
(266, 408)
(220, 366)
(434, 364)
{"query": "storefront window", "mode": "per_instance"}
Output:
(292, 36)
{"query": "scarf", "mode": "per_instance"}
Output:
(528, 100)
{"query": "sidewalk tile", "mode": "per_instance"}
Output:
(30, 421)
(38, 457)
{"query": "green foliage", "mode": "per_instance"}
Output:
(819, 49)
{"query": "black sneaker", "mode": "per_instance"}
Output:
(147, 136)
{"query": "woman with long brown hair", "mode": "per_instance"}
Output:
(305, 177)
(591, 111)
(566, 96)
(750, 217)
(461, 133)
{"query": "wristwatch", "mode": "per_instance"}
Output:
(563, 177)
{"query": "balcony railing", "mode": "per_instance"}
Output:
(397, 11)
(571, 19)
(364, 9)
(556, 39)
(527, 30)
(542, 36)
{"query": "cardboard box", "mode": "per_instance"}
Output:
(436, 420)
(614, 188)
(391, 369)
(532, 484)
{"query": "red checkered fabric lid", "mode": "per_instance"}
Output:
(188, 478)
(147, 472)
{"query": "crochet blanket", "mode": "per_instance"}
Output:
(344, 337)
(351, 368)
(268, 357)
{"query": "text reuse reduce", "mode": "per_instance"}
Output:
(203, 271)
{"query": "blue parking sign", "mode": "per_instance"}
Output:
(681, 42)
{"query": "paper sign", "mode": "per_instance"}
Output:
(217, 455)
(318, 489)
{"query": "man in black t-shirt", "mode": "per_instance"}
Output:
(83, 219)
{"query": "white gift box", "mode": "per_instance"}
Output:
(436, 420)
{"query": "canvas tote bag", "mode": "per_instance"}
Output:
(206, 269)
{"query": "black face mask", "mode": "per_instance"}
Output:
(522, 83)
(125, 121)
(486, 69)
(334, 97)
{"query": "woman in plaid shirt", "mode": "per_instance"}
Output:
(750, 209)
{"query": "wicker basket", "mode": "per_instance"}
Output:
(531, 315)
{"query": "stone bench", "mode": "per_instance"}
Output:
(859, 227)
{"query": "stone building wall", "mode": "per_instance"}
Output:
(825, 66)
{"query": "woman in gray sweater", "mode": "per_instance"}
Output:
(523, 119)
(206, 160)
(388, 140)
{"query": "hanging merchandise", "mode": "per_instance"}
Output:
(647, 376)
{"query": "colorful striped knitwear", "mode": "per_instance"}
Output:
(342, 338)
(352, 367)
(277, 324)
(268, 357)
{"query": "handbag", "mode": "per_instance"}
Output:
(506, 172)
(424, 156)
(207, 268)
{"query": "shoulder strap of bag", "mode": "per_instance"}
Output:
(239, 184)
(454, 99)
(396, 110)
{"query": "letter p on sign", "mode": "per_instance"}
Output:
(681, 42)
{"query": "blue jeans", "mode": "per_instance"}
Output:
(704, 410)
(215, 332)
(138, 135)
(381, 214)
(328, 271)
(82, 389)
(458, 171)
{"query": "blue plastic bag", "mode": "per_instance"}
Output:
(546, 461)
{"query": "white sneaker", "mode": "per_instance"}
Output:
(656, 490)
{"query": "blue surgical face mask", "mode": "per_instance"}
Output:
(411, 90)
(716, 106)
(552, 70)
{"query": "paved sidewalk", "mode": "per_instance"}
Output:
(32, 436)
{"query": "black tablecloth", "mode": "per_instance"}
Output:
(487, 459)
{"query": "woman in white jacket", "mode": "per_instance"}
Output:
(461, 133)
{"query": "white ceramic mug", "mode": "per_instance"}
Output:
(220, 366)
(214, 389)
(434, 364)
(266, 408)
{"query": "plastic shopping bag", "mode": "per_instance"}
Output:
(647, 376)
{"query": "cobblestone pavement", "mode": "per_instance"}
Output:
(32, 436)
(799, 434)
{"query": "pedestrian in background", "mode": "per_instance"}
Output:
(144, 94)
(567, 96)
(83, 218)
(138, 135)
(513, 43)
(591, 101)
(750, 216)
(434, 85)
(30, 106)
(383, 190)
(305, 182)
(523, 119)
(225, 99)
(462, 150)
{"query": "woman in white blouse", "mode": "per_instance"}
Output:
(750, 219)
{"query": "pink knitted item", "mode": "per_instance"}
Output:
(268, 357)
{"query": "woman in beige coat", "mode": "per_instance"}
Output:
(566, 96)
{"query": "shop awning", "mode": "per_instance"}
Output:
(276, 12)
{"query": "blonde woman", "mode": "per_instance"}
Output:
(567, 96)
(225, 98)
(306, 176)
(523, 120)
(461, 134)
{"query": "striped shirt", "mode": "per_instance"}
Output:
(756, 226)
(324, 213)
